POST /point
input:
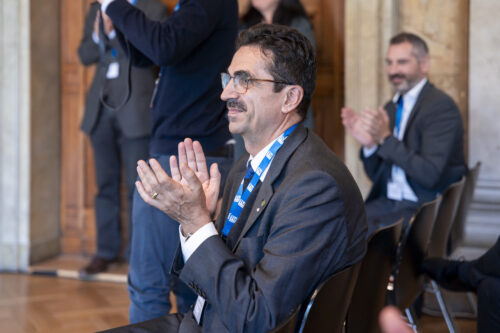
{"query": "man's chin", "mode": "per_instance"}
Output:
(234, 128)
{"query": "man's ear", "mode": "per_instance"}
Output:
(425, 64)
(293, 97)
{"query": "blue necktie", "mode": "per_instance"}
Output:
(399, 113)
(248, 175)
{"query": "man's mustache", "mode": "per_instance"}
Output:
(397, 76)
(236, 104)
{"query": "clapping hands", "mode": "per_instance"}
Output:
(190, 195)
(369, 127)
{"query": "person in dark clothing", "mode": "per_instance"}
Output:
(119, 133)
(193, 46)
(481, 276)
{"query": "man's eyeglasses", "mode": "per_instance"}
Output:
(241, 80)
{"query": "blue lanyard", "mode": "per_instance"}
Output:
(241, 199)
(133, 2)
(176, 8)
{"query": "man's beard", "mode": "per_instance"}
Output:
(405, 84)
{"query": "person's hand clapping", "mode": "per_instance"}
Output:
(356, 127)
(190, 195)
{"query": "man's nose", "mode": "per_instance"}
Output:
(229, 92)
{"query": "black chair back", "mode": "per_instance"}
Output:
(445, 218)
(370, 292)
(458, 227)
(408, 282)
(327, 307)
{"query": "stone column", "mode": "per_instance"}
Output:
(29, 127)
(14, 131)
(483, 225)
(369, 26)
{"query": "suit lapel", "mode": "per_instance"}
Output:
(391, 111)
(266, 191)
(240, 169)
(416, 107)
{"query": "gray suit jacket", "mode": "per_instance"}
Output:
(307, 222)
(134, 117)
(432, 150)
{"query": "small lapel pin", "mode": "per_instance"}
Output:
(263, 203)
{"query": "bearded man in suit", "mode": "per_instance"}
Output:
(413, 148)
(291, 213)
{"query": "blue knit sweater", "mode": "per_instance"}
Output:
(192, 47)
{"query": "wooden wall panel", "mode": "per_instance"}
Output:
(77, 225)
(327, 17)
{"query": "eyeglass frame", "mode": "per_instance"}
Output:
(224, 76)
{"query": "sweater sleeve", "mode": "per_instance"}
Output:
(171, 40)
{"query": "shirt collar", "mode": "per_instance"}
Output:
(257, 159)
(413, 93)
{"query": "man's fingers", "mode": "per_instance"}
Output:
(215, 176)
(383, 113)
(201, 163)
(160, 174)
(191, 178)
(147, 176)
(181, 147)
(191, 159)
(146, 196)
(174, 169)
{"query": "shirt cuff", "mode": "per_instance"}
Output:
(367, 152)
(105, 4)
(95, 38)
(111, 36)
(188, 246)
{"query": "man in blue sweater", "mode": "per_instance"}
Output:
(193, 46)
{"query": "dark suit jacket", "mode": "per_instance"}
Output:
(307, 222)
(432, 150)
(134, 117)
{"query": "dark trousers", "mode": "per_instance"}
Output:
(154, 243)
(483, 275)
(383, 211)
(488, 307)
(112, 149)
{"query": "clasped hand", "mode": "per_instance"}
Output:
(190, 195)
(369, 127)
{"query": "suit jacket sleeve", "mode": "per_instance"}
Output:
(306, 239)
(371, 164)
(88, 51)
(440, 128)
(171, 40)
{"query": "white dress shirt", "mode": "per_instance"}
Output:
(398, 187)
